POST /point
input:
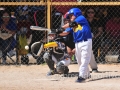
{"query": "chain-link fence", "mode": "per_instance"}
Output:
(19, 18)
(104, 21)
(103, 17)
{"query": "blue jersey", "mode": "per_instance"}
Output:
(82, 32)
(68, 30)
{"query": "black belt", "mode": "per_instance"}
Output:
(82, 40)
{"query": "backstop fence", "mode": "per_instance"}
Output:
(102, 15)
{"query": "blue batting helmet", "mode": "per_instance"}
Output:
(75, 11)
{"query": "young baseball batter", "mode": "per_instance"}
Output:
(71, 47)
(83, 41)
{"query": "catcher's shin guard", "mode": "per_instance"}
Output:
(48, 59)
(50, 64)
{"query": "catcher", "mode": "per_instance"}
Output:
(56, 54)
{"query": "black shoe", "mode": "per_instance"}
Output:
(80, 80)
(94, 71)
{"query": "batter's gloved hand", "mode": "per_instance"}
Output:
(59, 30)
(73, 24)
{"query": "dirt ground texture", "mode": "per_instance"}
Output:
(33, 77)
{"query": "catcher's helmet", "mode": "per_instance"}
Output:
(75, 11)
(51, 35)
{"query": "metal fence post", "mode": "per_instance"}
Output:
(48, 14)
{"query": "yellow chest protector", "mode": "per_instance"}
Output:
(50, 44)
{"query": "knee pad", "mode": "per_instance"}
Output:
(61, 68)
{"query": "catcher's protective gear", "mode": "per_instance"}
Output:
(61, 68)
(51, 35)
(50, 44)
(48, 59)
(75, 11)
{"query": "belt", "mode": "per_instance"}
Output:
(82, 40)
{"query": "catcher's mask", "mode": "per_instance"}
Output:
(36, 49)
(51, 35)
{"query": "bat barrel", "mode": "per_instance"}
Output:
(39, 28)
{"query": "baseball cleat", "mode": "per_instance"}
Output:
(80, 80)
(52, 72)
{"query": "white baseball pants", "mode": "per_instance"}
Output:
(83, 51)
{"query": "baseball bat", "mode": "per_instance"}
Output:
(39, 28)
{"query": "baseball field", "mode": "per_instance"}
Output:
(33, 77)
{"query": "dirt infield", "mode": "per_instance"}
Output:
(33, 77)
